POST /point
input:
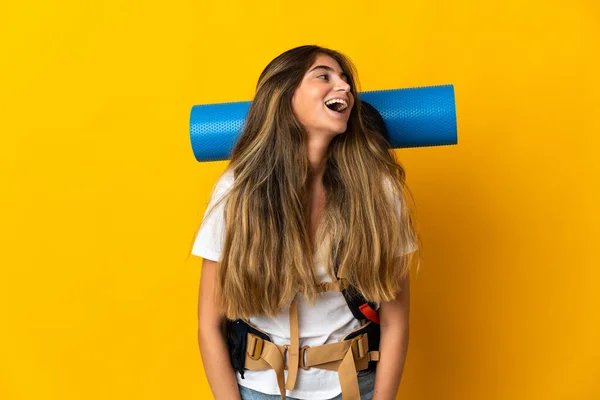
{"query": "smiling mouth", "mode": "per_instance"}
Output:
(337, 105)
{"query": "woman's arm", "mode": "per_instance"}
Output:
(213, 347)
(393, 317)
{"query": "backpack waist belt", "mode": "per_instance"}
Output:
(348, 356)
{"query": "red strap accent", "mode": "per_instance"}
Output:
(369, 313)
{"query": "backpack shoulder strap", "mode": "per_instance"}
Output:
(358, 305)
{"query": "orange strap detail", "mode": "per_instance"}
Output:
(368, 312)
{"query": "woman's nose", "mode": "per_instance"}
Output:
(343, 86)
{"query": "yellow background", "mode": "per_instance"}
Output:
(101, 195)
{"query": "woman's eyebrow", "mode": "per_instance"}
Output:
(328, 68)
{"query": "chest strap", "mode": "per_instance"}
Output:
(346, 357)
(294, 350)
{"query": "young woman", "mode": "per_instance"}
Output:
(311, 209)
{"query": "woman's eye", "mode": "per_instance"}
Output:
(325, 75)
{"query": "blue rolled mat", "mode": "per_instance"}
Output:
(414, 117)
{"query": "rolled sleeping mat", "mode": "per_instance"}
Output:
(414, 117)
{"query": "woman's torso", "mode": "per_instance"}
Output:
(328, 321)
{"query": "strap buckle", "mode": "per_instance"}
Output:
(254, 347)
(302, 358)
(358, 348)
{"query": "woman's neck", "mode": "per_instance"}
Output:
(317, 158)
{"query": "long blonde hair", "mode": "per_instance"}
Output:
(267, 256)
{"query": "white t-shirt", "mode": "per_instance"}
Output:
(326, 322)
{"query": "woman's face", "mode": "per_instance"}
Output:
(323, 101)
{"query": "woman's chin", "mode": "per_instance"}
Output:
(341, 129)
(329, 131)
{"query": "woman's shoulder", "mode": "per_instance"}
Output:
(390, 188)
(226, 179)
(223, 184)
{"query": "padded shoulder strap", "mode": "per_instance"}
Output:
(359, 306)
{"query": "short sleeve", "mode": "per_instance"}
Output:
(208, 243)
(402, 248)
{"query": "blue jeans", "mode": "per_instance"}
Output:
(366, 385)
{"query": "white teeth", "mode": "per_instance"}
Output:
(328, 102)
(332, 101)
